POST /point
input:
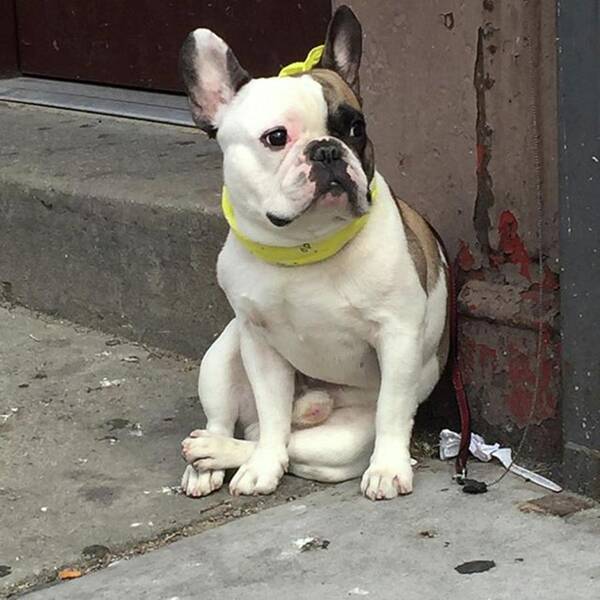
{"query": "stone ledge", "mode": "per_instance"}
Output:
(112, 223)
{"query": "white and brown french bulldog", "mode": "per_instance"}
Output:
(325, 363)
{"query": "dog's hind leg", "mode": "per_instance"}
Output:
(225, 395)
(337, 450)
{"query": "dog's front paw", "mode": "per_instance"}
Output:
(385, 479)
(261, 474)
(208, 451)
(197, 484)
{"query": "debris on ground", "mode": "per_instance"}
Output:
(558, 506)
(428, 533)
(118, 423)
(136, 430)
(422, 448)
(69, 574)
(472, 486)
(450, 444)
(475, 566)
(95, 551)
(131, 359)
(311, 543)
(5, 570)
(5, 417)
(358, 592)
(106, 383)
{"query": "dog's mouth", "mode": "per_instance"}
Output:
(336, 188)
(335, 194)
(280, 221)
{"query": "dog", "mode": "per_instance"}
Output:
(327, 358)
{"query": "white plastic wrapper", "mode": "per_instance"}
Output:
(450, 443)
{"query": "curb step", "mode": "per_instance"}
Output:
(112, 223)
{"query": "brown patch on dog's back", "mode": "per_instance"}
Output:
(422, 245)
(444, 347)
(416, 253)
(425, 252)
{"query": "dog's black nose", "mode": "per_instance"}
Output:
(327, 151)
(278, 221)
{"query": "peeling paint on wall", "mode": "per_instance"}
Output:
(511, 247)
(522, 370)
(499, 366)
(485, 191)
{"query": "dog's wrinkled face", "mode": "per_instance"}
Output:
(296, 152)
(295, 144)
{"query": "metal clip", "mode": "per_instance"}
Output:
(460, 477)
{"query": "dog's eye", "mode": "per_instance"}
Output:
(357, 129)
(275, 138)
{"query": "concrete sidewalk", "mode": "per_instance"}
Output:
(90, 427)
(335, 544)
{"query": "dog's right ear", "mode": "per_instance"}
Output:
(212, 76)
(343, 47)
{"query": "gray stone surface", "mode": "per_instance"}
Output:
(112, 223)
(406, 548)
(82, 464)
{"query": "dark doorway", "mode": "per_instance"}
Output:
(135, 43)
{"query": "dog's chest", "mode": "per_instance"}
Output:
(318, 327)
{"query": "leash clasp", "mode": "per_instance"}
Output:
(460, 476)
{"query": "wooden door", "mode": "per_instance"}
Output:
(135, 43)
(9, 64)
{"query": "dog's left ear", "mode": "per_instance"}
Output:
(212, 76)
(343, 47)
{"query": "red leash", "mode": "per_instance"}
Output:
(457, 379)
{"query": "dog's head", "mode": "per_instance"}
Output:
(296, 151)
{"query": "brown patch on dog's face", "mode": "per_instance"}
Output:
(345, 119)
(335, 89)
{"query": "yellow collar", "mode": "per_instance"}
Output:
(309, 252)
(301, 254)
